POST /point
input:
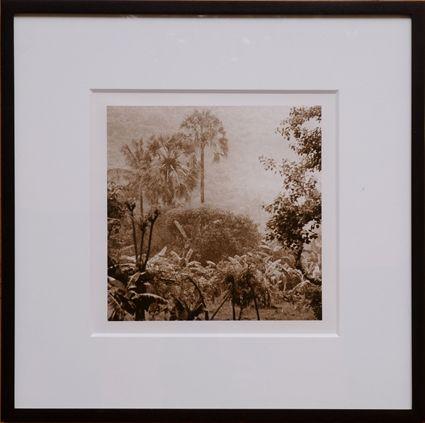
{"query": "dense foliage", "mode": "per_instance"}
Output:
(169, 261)
(176, 287)
(213, 234)
(296, 213)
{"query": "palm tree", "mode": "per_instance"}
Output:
(133, 178)
(173, 172)
(137, 159)
(204, 129)
(162, 171)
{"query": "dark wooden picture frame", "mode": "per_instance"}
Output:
(414, 10)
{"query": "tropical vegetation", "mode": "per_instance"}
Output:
(168, 260)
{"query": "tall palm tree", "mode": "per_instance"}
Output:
(163, 171)
(172, 172)
(134, 176)
(205, 130)
(137, 159)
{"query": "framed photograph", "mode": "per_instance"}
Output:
(213, 211)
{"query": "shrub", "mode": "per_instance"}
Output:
(212, 234)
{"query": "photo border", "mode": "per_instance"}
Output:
(329, 101)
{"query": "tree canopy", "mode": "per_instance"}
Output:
(296, 213)
(205, 130)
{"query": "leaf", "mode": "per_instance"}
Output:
(119, 307)
(130, 259)
(233, 261)
(175, 255)
(189, 255)
(132, 282)
(161, 253)
(148, 298)
(114, 283)
(181, 230)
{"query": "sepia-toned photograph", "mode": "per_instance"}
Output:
(214, 213)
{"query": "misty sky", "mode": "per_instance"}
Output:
(238, 182)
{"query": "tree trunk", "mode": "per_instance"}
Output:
(255, 301)
(202, 175)
(141, 202)
(140, 314)
(225, 298)
(298, 254)
(148, 250)
(201, 296)
(133, 225)
(233, 298)
(142, 231)
(142, 238)
(256, 305)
